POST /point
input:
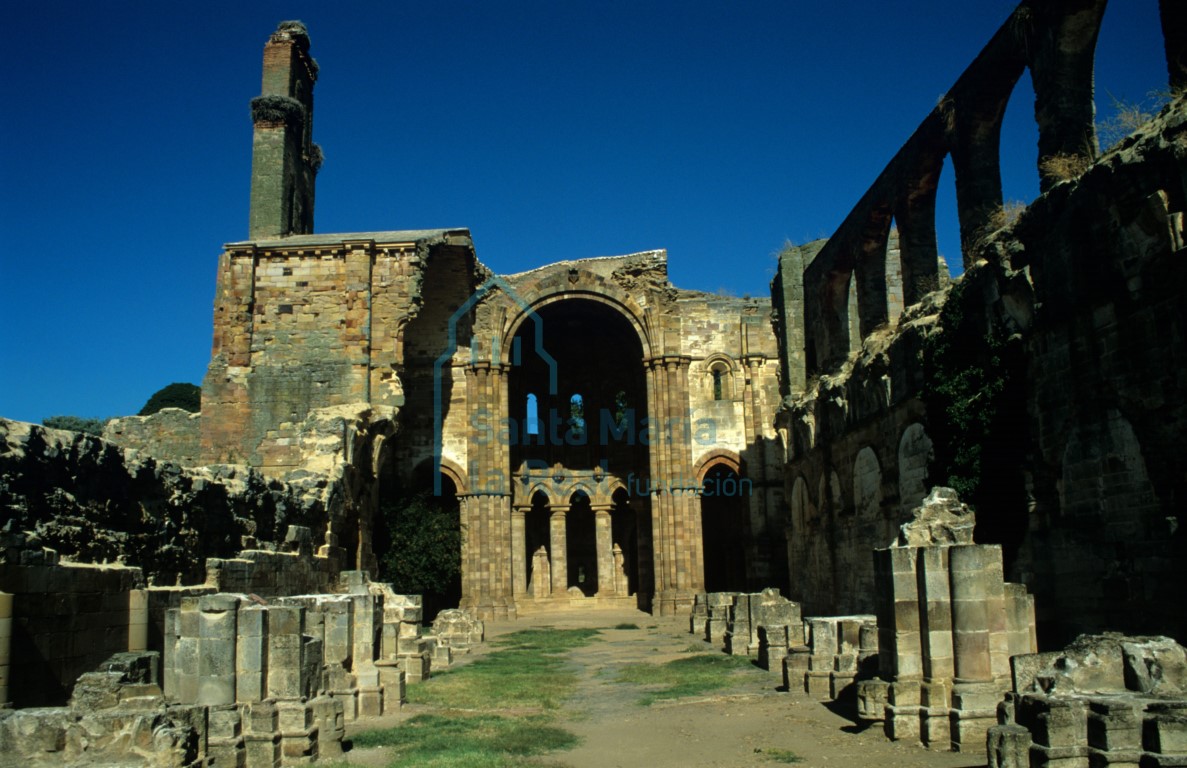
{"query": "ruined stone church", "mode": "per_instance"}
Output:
(609, 438)
(606, 439)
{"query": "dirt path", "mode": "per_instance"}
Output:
(730, 728)
(737, 726)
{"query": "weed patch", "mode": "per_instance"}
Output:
(688, 676)
(785, 756)
(526, 672)
(457, 741)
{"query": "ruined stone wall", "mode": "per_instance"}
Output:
(1079, 469)
(86, 499)
(171, 434)
(1046, 384)
(66, 619)
(305, 323)
(1107, 389)
(857, 464)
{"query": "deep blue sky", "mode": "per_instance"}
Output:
(553, 130)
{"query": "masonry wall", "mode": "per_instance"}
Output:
(1078, 471)
(87, 499)
(171, 434)
(733, 338)
(1107, 373)
(303, 324)
(66, 620)
(1046, 385)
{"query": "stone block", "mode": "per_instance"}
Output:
(818, 685)
(715, 630)
(391, 678)
(1054, 722)
(331, 726)
(348, 700)
(837, 683)
(262, 750)
(871, 699)
(261, 717)
(1165, 728)
(223, 722)
(294, 715)
(902, 723)
(1008, 746)
(1115, 725)
(935, 727)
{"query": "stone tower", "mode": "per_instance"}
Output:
(284, 159)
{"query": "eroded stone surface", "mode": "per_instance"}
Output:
(941, 519)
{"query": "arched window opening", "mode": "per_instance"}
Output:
(532, 420)
(719, 372)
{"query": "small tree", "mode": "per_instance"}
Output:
(425, 552)
(187, 397)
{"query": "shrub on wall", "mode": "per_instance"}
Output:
(75, 424)
(973, 381)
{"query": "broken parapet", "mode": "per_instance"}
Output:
(402, 640)
(295, 569)
(1104, 700)
(948, 625)
(833, 653)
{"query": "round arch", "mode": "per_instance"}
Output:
(725, 456)
(623, 304)
(448, 467)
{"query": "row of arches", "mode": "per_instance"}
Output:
(885, 255)
(866, 488)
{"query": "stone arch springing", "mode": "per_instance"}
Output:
(614, 299)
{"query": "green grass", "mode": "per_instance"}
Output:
(465, 741)
(689, 676)
(527, 671)
(515, 689)
(785, 756)
(626, 625)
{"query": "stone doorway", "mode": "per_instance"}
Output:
(725, 512)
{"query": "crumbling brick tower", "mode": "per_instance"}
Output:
(284, 159)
